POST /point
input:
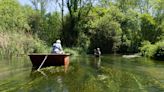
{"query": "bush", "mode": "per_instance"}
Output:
(76, 51)
(160, 51)
(153, 50)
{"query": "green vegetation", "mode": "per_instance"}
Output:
(153, 50)
(115, 26)
(13, 43)
(75, 51)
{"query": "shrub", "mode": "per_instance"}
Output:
(160, 51)
(153, 50)
(75, 51)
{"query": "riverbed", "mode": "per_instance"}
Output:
(109, 73)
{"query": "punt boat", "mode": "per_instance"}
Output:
(49, 59)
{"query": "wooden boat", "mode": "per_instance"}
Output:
(50, 59)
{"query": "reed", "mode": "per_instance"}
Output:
(19, 43)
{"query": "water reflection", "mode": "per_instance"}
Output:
(85, 74)
(39, 69)
(50, 78)
(48, 71)
(96, 63)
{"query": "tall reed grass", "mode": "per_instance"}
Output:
(20, 43)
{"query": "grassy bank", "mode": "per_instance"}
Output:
(19, 43)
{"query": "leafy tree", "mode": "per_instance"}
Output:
(12, 16)
(53, 27)
(78, 10)
(107, 32)
(148, 28)
(130, 39)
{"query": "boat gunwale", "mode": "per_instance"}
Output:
(49, 54)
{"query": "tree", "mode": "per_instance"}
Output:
(78, 10)
(149, 28)
(106, 30)
(12, 16)
(41, 5)
(130, 39)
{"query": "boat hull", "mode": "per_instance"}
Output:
(51, 60)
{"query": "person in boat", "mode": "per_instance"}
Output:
(57, 47)
(97, 52)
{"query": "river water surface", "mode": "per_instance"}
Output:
(85, 74)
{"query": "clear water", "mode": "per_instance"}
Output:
(85, 74)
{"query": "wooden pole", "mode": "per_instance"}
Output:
(42, 62)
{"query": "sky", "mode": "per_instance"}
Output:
(52, 7)
(23, 2)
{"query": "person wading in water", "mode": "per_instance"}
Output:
(97, 52)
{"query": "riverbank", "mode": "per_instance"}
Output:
(19, 43)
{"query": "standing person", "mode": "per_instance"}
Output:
(97, 52)
(57, 47)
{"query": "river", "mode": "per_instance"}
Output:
(109, 73)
